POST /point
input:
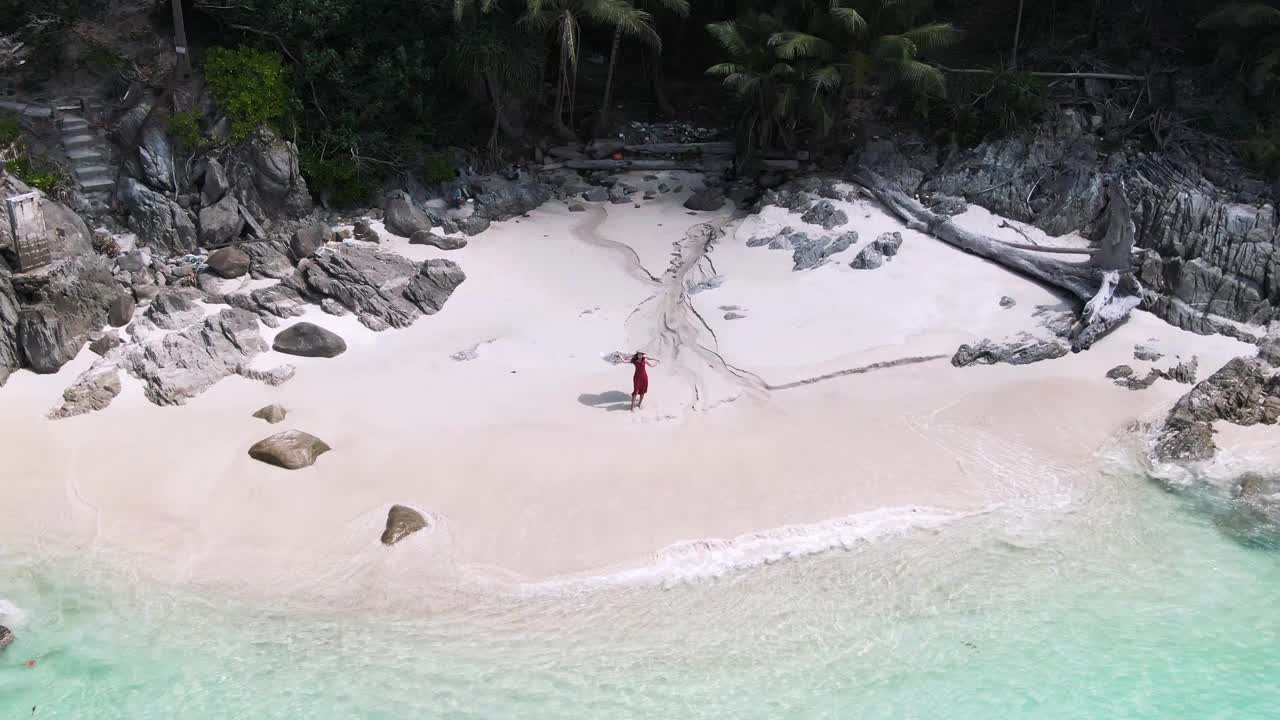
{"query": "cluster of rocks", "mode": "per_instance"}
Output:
(1207, 257)
(1246, 391)
(1125, 376)
(883, 248)
(1024, 348)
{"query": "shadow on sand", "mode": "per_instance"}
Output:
(613, 401)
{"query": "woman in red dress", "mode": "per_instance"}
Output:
(640, 381)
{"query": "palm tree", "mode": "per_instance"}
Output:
(491, 57)
(561, 19)
(652, 42)
(847, 45)
(765, 87)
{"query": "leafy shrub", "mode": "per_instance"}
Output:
(999, 104)
(39, 174)
(251, 86)
(185, 128)
(1263, 150)
(436, 169)
(9, 130)
(340, 177)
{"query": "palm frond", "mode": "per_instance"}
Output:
(825, 79)
(727, 34)
(795, 45)
(724, 69)
(933, 36)
(918, 77)
(850, 19)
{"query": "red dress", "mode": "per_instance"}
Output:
(640, 381)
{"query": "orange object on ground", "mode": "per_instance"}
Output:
(617, 155)
(30, 663)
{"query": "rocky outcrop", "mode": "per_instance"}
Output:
(274, 301)
(61, 305)
(10, 354)
(267, 260)
(6, 637)
(1246, 391)
(808, 253)
(214, 185)
(92, 391)
(1021, 349)
(157, 220)
(266, 179)
(121, 310)
(401, 523)
(498, 198)
(1205, 259)
(180, 365)
(309, 340)
(364, 232)
(825, 214)
(155, 156)
(173, 310)
(403, 218)
(291, 450)
(272, 414)
(381, 288)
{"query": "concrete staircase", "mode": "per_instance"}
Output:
(86, 148)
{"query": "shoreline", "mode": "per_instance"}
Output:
(518, 455)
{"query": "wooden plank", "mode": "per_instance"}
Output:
(30, 238)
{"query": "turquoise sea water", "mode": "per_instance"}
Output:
(1123, 602)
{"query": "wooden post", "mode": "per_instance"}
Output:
(182, 68)
(30, 239)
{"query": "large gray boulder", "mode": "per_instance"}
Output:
(291, 449)
(309, 340)
(706, 200)
(221, 222)
(157, 220)
(378, 286)
(401, 523)
(180, 365)
(10, 354)
(215, 184)
(266, 178)
(121, 310)
(63, 303)
(6, 637)
(268, 260)
(229, 262)
(309, 238)
(403, 218)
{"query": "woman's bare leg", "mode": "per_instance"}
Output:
(634, 399)
(641, 403)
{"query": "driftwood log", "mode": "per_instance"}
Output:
(1106, 281)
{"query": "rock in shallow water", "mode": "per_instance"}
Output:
(401, 523)
(309, 340)
(6, 638)
(291, 449)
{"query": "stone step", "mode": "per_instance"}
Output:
(85, 153)
(77, 140)
(75, 126)
(91, 170)
(97, 183)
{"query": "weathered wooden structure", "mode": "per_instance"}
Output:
(30, 237)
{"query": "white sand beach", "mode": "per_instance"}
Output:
(526, 458)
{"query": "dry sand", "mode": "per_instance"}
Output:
(525, 456)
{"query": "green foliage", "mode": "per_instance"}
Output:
(9, 130)
(103, 56)
(436, 168)
(798, 67)
(979, 106)
(1250, 50)
(250, 85)
(185, 128)
(1263, 150)
(340, 179)
(37, 173)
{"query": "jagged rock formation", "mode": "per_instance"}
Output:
(93, 390)
(383, 289)
(1021, 349)
(60, 306)
(181, 365)
(1246, 391)
(1203, 259)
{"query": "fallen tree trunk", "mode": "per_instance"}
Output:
(1069, 75)
(1106, 282)
(716, 162)
(704, 148)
